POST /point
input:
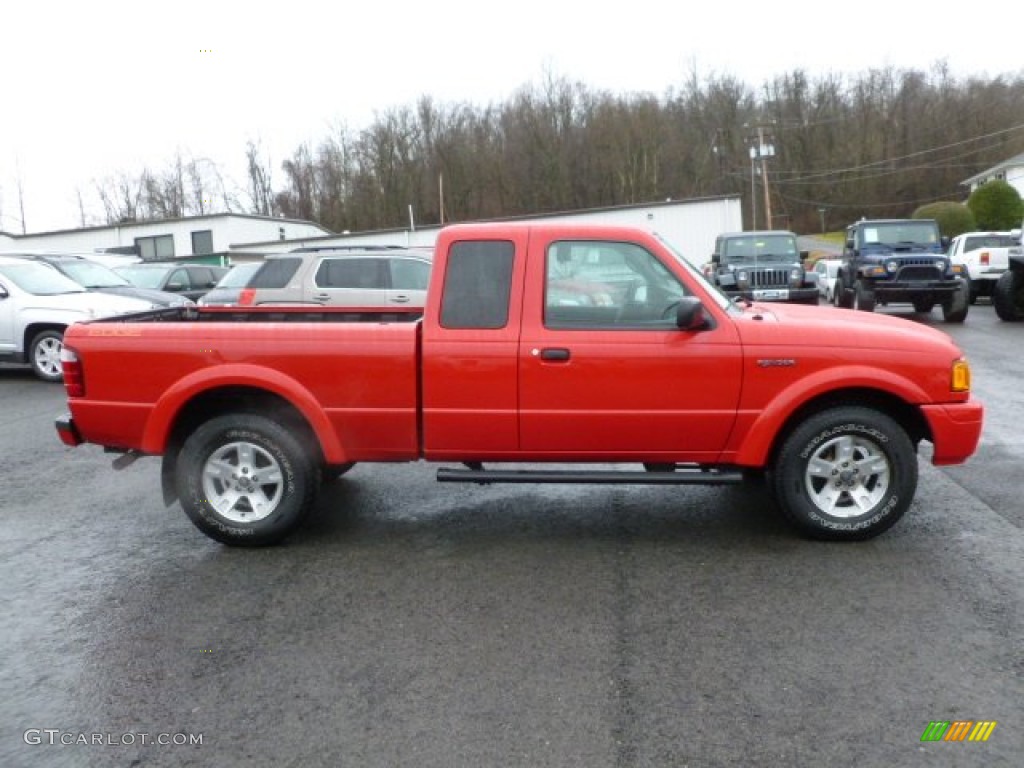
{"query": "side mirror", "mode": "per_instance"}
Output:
(849, 244)
(3, 292)
(690, 314)
(716, 258)
(176, 287)
(945, 240)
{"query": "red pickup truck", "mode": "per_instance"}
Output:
(568, 350)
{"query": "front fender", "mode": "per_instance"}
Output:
(753, 443)
(167, 409)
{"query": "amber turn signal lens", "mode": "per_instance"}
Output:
(960, 378)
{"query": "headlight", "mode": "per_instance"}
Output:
(742, 277)
(796, 275)
(940, 264)
(892, 266)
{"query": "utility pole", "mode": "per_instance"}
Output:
(766, 151)
(761, 150)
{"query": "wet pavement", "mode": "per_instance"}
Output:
(417, 624)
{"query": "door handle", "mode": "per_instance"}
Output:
(555, 354)
(400, 299)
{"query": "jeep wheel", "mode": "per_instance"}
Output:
(245, 480)
(863, 297)
(954, 309)
(843, 296)
(848, 473)
(1008, 296)
(44, 355)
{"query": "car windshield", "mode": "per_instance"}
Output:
(902, 233)
(760, 248)
(39, 279)
(144, 277)
(973, 242)
(239, 275)
(92, 275)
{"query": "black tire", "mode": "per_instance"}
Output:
(924, 306)
(252, 445)
(844, 296)
(332, 472)
(44, 355)
(817, 486)
(863, 297)
(954, 309)
(1008, 296)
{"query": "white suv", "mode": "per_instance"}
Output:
(37, 303)
(364, 277)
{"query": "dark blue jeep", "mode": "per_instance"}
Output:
(889, 261)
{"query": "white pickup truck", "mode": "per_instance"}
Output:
(984, 256)
(37, 303)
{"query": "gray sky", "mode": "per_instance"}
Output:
(93, 89)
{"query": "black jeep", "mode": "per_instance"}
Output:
(764, 266)
(888, 261)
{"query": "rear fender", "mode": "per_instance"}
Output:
(167, 409)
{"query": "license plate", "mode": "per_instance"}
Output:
(771, 294)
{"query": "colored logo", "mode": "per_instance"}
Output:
(959, 730)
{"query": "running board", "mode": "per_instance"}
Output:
(686, 476)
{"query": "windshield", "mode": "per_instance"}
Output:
(902, 233)
(974, 242)
(760, 248)
(720, 298)
(239, 275)
(91, 275)
(144, 277)
(39, 279)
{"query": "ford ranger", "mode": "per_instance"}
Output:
(583, 354)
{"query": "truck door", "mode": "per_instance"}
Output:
(470, 347)
(605, 373)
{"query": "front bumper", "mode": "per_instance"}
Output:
(956, 430)
(802, 295)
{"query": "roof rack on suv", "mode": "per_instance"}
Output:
(318, 248)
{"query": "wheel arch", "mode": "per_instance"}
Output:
(907, 415)
(34, 329)
(231, 399)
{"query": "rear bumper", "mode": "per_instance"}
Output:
(956, 430)
(66, 430)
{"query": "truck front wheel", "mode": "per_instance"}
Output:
(245, 480)
(863, 297)
(954, 308)
(1008, 295)
(847, 473)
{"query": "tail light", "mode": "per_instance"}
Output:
(984, 258)
(74, 380)
(246, 297)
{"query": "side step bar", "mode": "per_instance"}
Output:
(684, 476)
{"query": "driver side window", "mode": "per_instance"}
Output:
(608, 285)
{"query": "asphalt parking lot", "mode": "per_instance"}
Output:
(418, 624)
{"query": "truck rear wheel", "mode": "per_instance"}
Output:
(863, 297)
(1008, 295)
(245, 480)
(846, 474)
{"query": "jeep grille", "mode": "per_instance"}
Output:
(769, 278)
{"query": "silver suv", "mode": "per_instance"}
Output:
(364, 276)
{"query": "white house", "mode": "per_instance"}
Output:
(1011, 171)
(166, 238)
